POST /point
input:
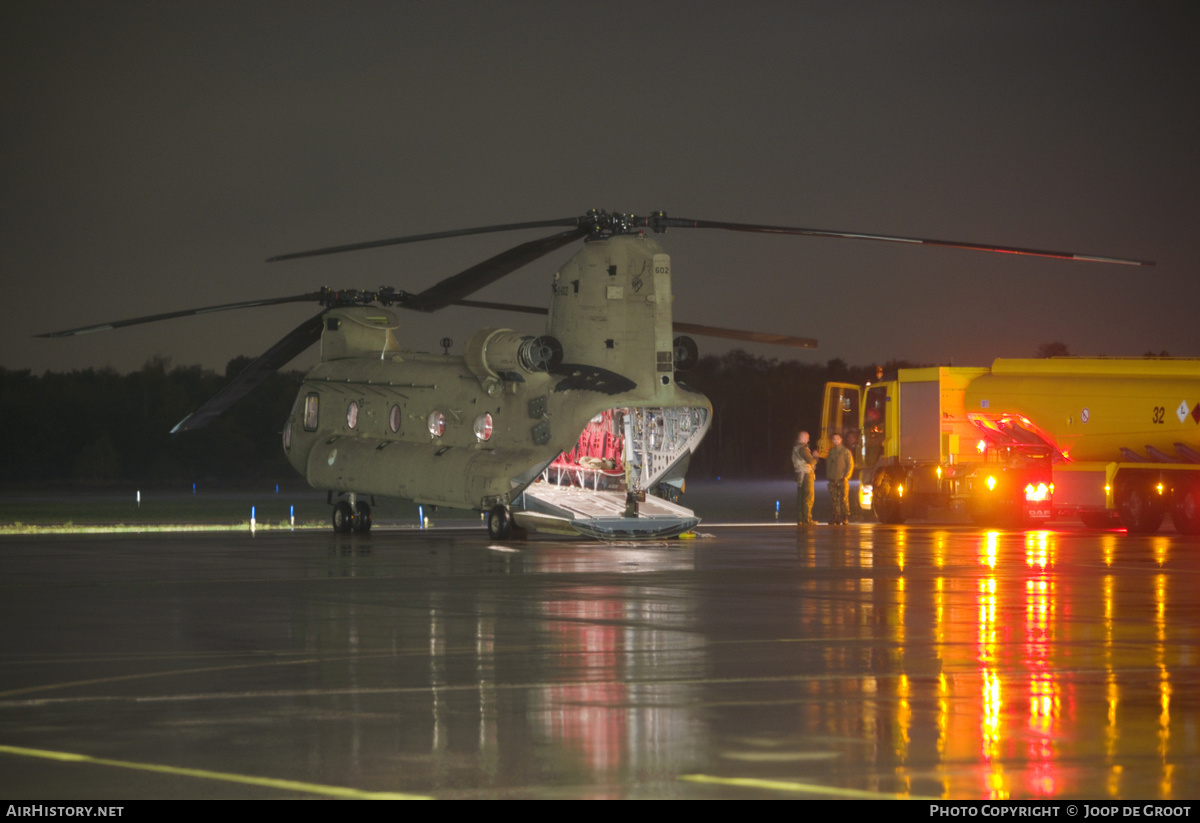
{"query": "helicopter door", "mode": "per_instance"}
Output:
(839, 415)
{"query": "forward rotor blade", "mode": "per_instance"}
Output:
(683, 328)
(417, 238)
(455, 288)
(680, 222)
(269, 362)
(153, 318)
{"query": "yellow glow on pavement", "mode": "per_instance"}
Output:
(204, 774)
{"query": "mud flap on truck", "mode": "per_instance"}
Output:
(1012, 498)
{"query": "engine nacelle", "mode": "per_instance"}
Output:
(494, 355)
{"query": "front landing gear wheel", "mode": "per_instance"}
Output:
(343, 517)
(362, 517)
(499, 523)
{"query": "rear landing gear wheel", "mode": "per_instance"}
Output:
(362, 517)
(499, 523)
(343, 517)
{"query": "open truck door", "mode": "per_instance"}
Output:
(840, 415)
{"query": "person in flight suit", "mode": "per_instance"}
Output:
(804, 463)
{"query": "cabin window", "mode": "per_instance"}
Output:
(352, 414)
(437, 423)
(483, 427)
(311, 403)
(394, 419)
(287, 435)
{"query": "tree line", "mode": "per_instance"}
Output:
(98, 428)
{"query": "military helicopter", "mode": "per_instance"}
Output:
(585, 429)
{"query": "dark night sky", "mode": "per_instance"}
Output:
(154, 154)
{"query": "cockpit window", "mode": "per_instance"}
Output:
(311, 403)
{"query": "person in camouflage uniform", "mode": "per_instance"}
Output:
(839, 465)
(804, 463)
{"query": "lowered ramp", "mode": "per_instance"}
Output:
(546, 507)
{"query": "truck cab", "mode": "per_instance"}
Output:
(918, 447)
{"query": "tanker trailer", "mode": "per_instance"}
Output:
(1114, 441)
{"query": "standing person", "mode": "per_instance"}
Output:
(839, 465)
(804, 463)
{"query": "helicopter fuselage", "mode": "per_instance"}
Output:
(474, 430)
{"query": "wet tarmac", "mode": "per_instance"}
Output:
(864, 661)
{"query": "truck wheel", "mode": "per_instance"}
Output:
(362, 518)
(887, 503)
(1185, 511)
(343, 517)
(499, 523)
(1140, 509)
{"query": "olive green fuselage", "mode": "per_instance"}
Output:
(472, 430)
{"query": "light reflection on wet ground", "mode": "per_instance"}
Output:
(863, 661)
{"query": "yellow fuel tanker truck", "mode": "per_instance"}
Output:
(1114, 441)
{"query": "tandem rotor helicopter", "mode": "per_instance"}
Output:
(585, 429)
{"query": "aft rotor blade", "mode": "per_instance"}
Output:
(681, 222)
(269, 362)
(154, 318)
(748, 336)
(455, 288)
(481, 304)
(683, 328)
(417, 238)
